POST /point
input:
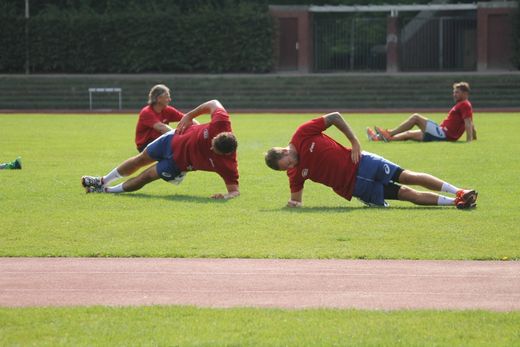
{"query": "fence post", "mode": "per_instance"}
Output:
(392, 44)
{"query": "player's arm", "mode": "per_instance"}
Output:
(468, 124)
(206, 108)
(337, 120)
(161, 127)
(296, 199)
(233, 192)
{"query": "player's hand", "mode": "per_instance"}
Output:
(294, 203)
(356, 152)
(227, 196)
(184, 124)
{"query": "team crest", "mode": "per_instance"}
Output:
(206, 134)
(305, 172)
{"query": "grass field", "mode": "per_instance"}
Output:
(182, 326)
(45, 211)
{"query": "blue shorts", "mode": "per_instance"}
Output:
(161, 150)
(433, 132)
(374, 173)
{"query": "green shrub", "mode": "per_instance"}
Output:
(209, 39)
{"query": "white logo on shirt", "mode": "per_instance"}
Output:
(312, 147)
(189, 168)
(166, 174)
(305, 172)
(211, 162)
(387, 169)
(206, 134)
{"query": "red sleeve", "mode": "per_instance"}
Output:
(148, 118)
(466, 110)
(219, 122)
(229, 171)
(296, 182)
(219, 115)
(172, 114)
(313, 127)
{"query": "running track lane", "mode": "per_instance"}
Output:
(362, 284)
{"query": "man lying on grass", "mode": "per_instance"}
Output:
(190, 147)
(350, 172)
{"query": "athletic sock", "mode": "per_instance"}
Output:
(112, 176)
(445, 201)
(448, 188)
(115, 189)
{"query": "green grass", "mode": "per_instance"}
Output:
(45, 212)
(187, 326)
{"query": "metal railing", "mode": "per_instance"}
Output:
(349, 43)
(346, 42)
(439, 44)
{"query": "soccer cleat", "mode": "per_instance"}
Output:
(466, 198)
(384, 134)
(372, 136)
(92, 181)
(95, 189)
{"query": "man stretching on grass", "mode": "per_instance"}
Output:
(206, 147)
(350, 172)
(460, 119)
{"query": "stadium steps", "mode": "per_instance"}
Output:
(313, 92)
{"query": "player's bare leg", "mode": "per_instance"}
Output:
(464, 198)
(419, 198)
(402, 132)
(415, 135)
(96, 184)
(133, 164)
(414, 120)
(136, 183)
(421, 179)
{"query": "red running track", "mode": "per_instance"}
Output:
(362, 284)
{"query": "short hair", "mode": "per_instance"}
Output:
(157, 91)
(272, 157)
(462, 86)
(225, 143)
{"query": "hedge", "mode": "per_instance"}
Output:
(235, 39)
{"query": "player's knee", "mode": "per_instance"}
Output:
(417, 118)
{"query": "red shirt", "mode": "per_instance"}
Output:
(322, 160)
(192, 149)
(453, 125)
(144, 131)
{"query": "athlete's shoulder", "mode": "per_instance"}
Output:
(146, 110)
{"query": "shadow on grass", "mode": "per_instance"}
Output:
(174, 197)
(314, 209)
(343, 209)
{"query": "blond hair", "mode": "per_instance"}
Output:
(157, 91)
(462, 86)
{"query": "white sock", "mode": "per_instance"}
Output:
(111, 176)
(448, 188)
(445, 201)
(115, 189)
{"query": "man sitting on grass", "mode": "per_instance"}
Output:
(206, 147)
(460, 119)
(350, 172)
